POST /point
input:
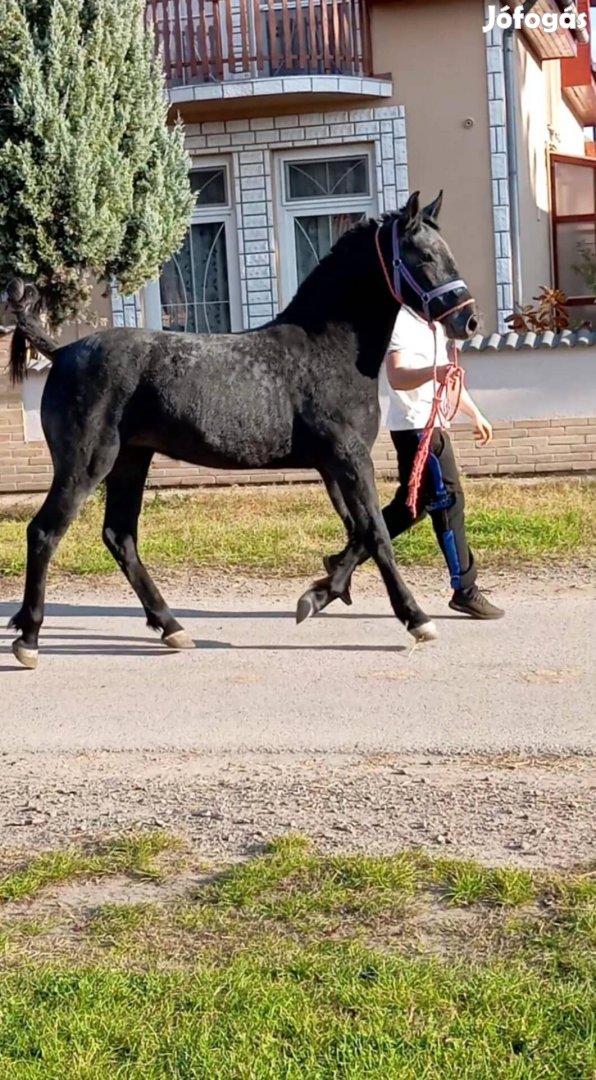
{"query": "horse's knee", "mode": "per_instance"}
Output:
(40, 541)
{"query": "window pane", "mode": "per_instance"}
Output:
(575, 189)
(327, 179)
(573, 239)
(315, 236)
(209, 185)
(195, 294)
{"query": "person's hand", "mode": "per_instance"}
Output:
(441, 372)
(483, 431)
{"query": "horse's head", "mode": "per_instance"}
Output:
(421, 271)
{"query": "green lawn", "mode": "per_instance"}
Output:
(297, 966)
(285, 530)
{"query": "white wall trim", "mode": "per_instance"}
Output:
(252, 145)
(126, 310)
(499, 171)
(340, 85)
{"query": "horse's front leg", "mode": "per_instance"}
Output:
(323, 592)
(350, 464)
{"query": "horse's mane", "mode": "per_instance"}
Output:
(326, 283)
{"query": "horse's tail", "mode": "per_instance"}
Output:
(23, 300)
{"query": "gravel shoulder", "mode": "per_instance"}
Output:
(504, 810)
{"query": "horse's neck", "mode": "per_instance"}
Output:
(373, 338)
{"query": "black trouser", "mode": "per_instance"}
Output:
(441, 496)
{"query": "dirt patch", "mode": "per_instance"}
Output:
(82, 898)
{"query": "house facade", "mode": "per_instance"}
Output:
(302, 116)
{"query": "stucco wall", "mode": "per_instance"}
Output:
(540, 384)
(545, 120)
(568, 131)
(435, 50)
(534, 83)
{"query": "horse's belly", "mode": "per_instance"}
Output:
(228, 434)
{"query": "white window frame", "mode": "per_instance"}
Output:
(222, 212)
(289, 209)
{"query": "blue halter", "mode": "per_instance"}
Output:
(401, 273)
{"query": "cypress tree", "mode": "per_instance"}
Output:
(93, 182)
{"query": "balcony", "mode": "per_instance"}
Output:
(234, 49)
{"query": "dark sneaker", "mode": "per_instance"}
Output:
(475, 605)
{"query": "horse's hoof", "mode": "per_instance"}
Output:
(305, 607)
(425, 632)
(27, 657)
(178, 640)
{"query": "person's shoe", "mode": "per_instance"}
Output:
(475, 605)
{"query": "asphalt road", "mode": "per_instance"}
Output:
(346, 681)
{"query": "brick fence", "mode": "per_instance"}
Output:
(524, 447)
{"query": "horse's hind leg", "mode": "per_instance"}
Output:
(124, 496)
(71, 486)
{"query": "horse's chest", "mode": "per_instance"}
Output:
(356, 403)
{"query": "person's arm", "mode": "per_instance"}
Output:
(482, 427)
(402, 377)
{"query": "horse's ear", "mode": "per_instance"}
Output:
(433, 209)
(411, 214)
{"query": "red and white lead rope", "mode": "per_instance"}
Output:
(446, 399)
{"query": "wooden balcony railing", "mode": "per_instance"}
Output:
(203, 41)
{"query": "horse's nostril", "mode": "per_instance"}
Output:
(472, 325)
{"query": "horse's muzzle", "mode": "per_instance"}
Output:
(463, 324)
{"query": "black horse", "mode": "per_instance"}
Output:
(301, 392)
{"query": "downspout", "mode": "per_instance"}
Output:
(509, 75)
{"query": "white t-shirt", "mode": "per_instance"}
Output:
(409, 410)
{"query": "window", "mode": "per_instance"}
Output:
(321, 197)
(574, 230)
(199, 288)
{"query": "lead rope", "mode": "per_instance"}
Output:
(446, 399)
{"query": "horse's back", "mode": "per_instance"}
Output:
(215, 399)
(244, 400)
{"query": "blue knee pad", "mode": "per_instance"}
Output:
(444, 500)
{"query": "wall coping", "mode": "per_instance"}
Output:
(566, 339)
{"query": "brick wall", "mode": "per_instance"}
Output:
(524, 447)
